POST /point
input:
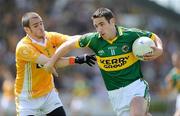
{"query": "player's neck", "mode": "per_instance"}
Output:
(39, 41)
(114, 34)
(36, 39)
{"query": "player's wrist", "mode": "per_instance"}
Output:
(80, 59)
(72, 60)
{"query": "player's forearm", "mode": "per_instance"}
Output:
(63, 62)
(42, 59)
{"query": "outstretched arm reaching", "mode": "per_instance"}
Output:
(63, 50)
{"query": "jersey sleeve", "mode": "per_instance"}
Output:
(141, 33)
(27, 53)
(58, 38)
(85, 40)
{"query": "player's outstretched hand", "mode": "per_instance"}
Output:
(88, 59)
(151, 56)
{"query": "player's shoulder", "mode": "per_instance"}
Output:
(24, 43)
(51, 33)
(130, 30)
(136, 31)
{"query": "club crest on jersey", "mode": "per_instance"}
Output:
(125, 48)
(101, 52)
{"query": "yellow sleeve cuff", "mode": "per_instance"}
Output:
(153, 36)
(77, 44)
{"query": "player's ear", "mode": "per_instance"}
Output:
(113, 21)
(26, 29)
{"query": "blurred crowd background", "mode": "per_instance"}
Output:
(81, 88)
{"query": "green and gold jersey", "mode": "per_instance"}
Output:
(175, 75)
(115, 59)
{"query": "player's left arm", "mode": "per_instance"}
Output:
(66, 61)
(157, 50)
(62, 62)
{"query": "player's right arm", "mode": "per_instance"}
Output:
(61, 51)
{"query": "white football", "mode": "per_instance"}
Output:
(141, 46)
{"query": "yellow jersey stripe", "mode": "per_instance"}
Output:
(111, 41)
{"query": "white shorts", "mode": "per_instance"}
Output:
(178, 102)
(38, 106)
(121, 98)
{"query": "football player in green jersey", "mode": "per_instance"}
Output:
(112, 44)
(173, 80)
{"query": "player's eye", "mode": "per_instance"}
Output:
(35, 26)
(101, 24)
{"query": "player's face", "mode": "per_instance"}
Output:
(37, 27)
(175, 60)
(106, 29)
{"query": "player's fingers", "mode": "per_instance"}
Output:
(91, 61)
(93, 57)
(149, 54)
(89, 64)
(148, 58)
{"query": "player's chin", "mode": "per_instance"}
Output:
(41, 35)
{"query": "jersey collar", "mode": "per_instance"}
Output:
(36, 42)
(119, 33)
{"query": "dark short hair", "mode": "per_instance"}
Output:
(103, 12)
(26, 18)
